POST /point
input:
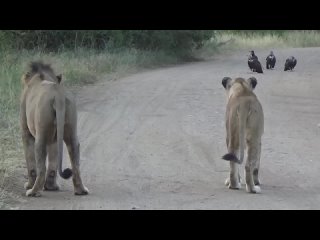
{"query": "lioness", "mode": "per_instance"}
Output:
(48, 116)
(244, 124)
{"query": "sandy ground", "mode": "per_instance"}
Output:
(154, 140)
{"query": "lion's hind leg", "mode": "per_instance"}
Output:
(40, 155)
(28, 144)
(256, 179)
(73, 146)
(250, 167)
(233, 181)
(51, 175)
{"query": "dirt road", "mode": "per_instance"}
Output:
(154, 140)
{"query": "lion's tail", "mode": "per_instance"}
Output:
(60, 115)
(243, 114)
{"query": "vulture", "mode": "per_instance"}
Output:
(254, 63)
(271, 61)
(291, 62)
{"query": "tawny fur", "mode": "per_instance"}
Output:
(48, 117)
(244, 128)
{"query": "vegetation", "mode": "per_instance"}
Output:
(84, 57)
(228, 41)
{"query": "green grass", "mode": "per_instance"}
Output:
(10, 147)
(229, 41)
(302, 38)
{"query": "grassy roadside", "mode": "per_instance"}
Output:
(228, 41)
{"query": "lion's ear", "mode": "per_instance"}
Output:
(252, 82)
(225, 82)
(59, 77)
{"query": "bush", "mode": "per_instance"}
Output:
(252, 33)
(248, 39)
(180, 42)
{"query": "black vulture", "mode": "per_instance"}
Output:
(254, 63)
(271, 60)
(291, 62)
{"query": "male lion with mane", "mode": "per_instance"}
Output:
(48, 116)
(244, 125)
